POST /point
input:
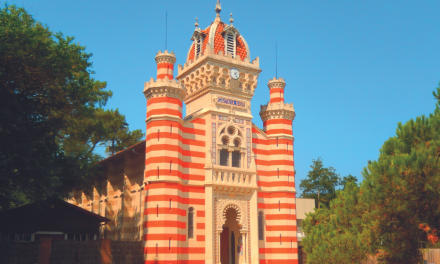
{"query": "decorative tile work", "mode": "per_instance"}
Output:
(239, 121)
(248, 137)
(226, 118)
(223, 118)
(222, 100)
(248, 122)
(212, 116)
(214, 136)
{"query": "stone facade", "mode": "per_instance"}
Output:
(210, 187)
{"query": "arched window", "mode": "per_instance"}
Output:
(260, 226)
(231, 140)
(191, 222)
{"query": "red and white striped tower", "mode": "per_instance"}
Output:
(277, 195)
(162, 225)
(165, 64)
(276, 89)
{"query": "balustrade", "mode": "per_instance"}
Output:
(233, 178)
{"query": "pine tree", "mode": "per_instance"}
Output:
(394, 211)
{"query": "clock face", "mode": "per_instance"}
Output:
(235, 74)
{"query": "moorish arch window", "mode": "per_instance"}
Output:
(230, 150)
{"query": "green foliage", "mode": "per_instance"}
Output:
(404, 186)
(394, 211)
(338, 234)
(346, 179)
(320, 184)
(50, 115)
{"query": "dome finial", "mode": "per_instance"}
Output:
(231, 20)
(197, 23)
(218, 9)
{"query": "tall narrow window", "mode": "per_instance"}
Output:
(169, 244)
(170, 204)
(158, 134)
(279, 206)
(158, 172)
(157, 210)
(280, 239)
(277, 141)
(224, 153)
(278, 172)
(191, 222)
(171, 164)
(291, 245)
(171, 130)
(224, 157)
(236, 159)
(260, 226)
(157, 249)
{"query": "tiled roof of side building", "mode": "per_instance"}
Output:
(140, 144)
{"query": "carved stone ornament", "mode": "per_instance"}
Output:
(237, 201)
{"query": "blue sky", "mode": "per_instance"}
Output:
(354, 69)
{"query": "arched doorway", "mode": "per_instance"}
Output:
(230, 238)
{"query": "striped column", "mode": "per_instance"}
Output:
(165, 64)
(275, 168)
(276, 88)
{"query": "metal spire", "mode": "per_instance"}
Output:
(218, 9)
(231, 20)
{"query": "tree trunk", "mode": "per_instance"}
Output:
(318, 200)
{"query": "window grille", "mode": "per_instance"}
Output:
(191, 222)
(260, 226)
(230, 44)
(236, 159)
(198, 46)
(224, 157)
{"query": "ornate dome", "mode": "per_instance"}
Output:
(221, 37)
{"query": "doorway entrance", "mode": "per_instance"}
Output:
(229, 238)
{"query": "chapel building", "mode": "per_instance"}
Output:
(207, 186)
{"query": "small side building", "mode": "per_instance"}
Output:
(55, 218)
(303, 206)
